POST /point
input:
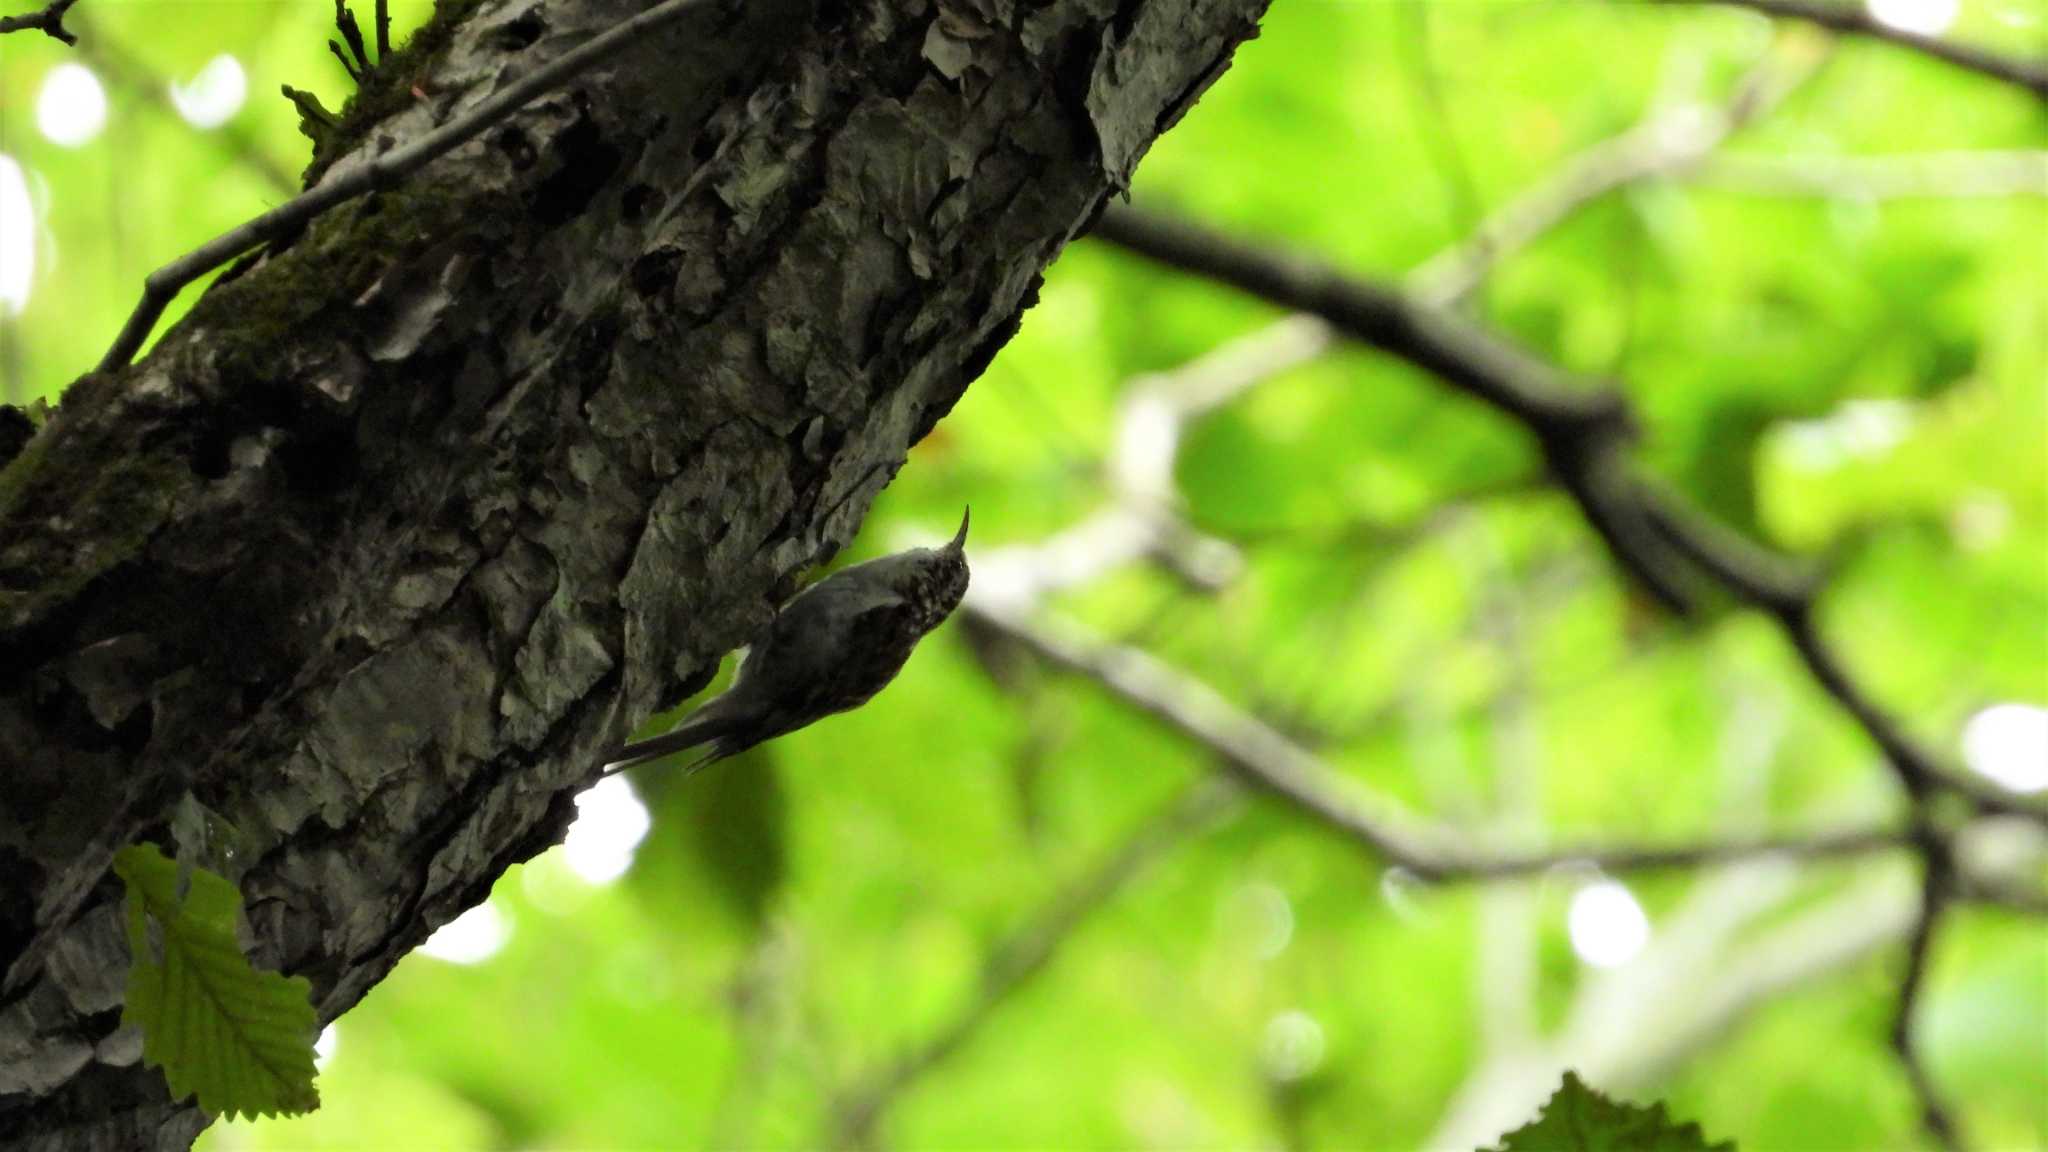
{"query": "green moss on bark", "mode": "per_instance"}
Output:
(337, 259)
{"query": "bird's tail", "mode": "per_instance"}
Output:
(708, 729)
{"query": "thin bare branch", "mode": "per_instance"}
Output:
(1934, 895)
(1025, 952)
(375, 174)
(1578, 426)
(49, 20)
(1584, 430)
(1852, 20)
(1271, 763)
(1923, 176)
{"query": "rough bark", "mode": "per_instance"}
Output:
(411, 518)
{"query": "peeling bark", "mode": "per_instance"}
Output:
(411, 518)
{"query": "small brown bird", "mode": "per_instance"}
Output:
(831, 648)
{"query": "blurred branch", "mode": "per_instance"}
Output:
(1665, 143)
(1669, 142)
(1025, 952)
(1932, 175)
(129, 73)
(1852, 20)
(1271, 763)
(1579, 428)
(1583, 430)
(374, 174)
(1935, 885)
(49, 20)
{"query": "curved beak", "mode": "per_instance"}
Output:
(959, 540)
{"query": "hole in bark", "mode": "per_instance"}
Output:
(543, 316)
(654, 272)
(585, 162)
(516, 147)
(590, 351)
(1125, 19)
(210, 455)
(639, 200)
(17, 902)
(319, 461)
(131, 735)
(521, 33)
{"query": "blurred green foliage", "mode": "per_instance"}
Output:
(1852, 377)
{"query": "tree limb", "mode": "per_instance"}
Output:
(1583, 430)
(1852, 20)
(1667, 546)
(1271, 763)
(1926, 175)
(424, 505)
(49, 20)
(1935, 885)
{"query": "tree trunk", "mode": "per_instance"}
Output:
(411, 518)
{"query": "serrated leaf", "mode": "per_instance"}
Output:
(240, 1038)
(1578, 1119)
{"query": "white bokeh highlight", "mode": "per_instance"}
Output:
(610, 824)
(17, 237)
(471, 938)
(214, 95)
(1606, 924)
(2008, 744)
(1259, 918)
(325, 1047)
(1921, 17)
(1292, 1047)
(1858, 430)
(71, 108)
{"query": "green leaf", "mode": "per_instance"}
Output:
(1578, 1119)
(240, 1038)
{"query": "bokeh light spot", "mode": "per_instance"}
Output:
(471, 938)
(1292, 1047)
(214, 95)
(1924, 17)
(610, 824)
(72, 106)
(2008, 744)
(1607, 925)
(325, 1047)
(17, 237)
